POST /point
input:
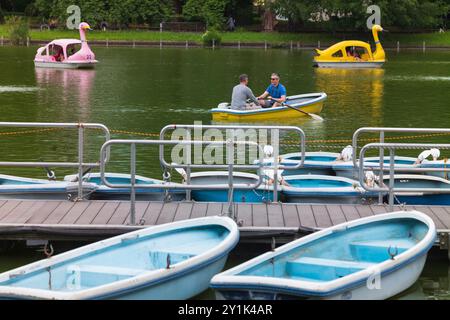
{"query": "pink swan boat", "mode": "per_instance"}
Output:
(67, 53)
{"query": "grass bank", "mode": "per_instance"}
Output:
(274, 38)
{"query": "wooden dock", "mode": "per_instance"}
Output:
(94, 220)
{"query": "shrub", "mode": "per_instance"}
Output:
(18, 30)
(211, 35)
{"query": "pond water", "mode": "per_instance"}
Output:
(141, 90)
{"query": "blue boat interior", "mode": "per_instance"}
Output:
(313, 158)
(10, 182)
(387, 161)
(318, 183)
(343, 252)
(129, 258)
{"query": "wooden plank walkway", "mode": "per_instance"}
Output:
(91, 220)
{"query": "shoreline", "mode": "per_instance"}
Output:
(232, 45)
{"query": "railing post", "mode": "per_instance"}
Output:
(380, 175)
(398, 46)
(230, 161)
(275, 138)
(80, 160)
(188, 169)
(391, 178)
(133, 182)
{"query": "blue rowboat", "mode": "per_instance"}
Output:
(441, 164)
(106, 193)
(169, 261)
(324, 189)
(373, 258)
(264, 193)
(347, 170)
(13, 187)
(315, 163)
(422, 196)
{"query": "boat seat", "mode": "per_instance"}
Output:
(158, 259)
(87, 276)
(323, 269)
(378, 250)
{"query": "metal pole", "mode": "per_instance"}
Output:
(291, 45)
(2, 41)
(230, 160)
(187, 44)
(133, 182)
(423, 46)
(134, 44)
(391, 179)
(381, 154)
(265, 44)
(188, 169)
(213, 43)
(318, 44)
(107, 42)
(80, 160)
(275, 138)
(398, 46)
(239, 44)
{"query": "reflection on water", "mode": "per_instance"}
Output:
(346, 86)
(73, 88)
(433, 284)
(17, 89)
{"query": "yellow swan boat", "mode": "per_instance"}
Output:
(352, 54)
(310, 103)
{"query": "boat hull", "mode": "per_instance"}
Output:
(268, 114)
(249, 196)
(169, 261)
(391, 285)
(349, 65)
(65, 65)
(376, 257)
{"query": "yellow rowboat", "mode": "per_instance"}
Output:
(352, 54)
(310, 102)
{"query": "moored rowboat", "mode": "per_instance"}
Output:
(311, 103)
(169, 261)
(374, 258)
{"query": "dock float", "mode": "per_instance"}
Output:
(92, 220)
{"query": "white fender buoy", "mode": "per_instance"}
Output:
(423, 155)
(347, 153)
(370, 179)
(181, 171)
(435, 153)
(268, 151)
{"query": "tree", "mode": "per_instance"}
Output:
(210, 11)
(351, 14)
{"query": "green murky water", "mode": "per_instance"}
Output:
(141, 90)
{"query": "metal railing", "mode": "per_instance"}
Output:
(392, 169)
(230, 166)
(382, 135)
(80, 164)
(231, 131)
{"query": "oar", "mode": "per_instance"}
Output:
(312, 115)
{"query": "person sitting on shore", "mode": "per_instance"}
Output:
(275, 93)
(242, 93)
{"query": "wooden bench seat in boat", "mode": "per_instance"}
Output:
(379, 250)
(320, 269)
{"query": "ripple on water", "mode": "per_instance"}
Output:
(418, 78)
(4, 89)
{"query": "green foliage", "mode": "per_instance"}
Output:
(17, 29)
(116, 12)
(211, 35)
(351, 14)
(209, 11)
